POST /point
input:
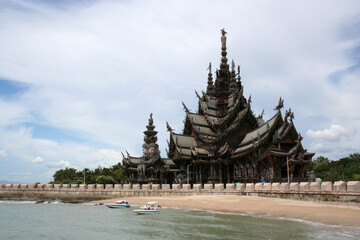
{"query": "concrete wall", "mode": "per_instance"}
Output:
(350, 191)
(351, 187)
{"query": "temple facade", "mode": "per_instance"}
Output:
(223, 141)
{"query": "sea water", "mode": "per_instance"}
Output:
(27, 220)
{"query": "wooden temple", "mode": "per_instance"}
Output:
(225, 142)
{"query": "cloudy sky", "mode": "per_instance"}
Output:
(79, 80)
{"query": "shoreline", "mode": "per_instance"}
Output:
(323, 213)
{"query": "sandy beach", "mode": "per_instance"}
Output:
(259, 206)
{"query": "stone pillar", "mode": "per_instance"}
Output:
(155, 187)
(186, 187)
(294, 186)
(176, 187)
(127, 187)
(197, 174)
(272, 173)
(284, 187)
(208, 187)
(220, 173)
(267, 186)
(251, 171)
(197, 187)
(65, 187)
(275, 186)
(74, 186)
(49, 186)
(292, 169)
(327, 186)
(99, 186)
(136, 187)
(117, 187)
(165, 186)
(304, 186)
(146, 187)
(230, 186)
(82, 186)
(109, 186)
(219, 187)
(240, 187)
(259, 186)
(91, 187)
(315, 186)
(250, 187)
(212, 170)
(228, 173)
(20, 186)
(340, 186)
(353, 186)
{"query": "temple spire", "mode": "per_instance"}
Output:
(150, 133)
(223, 66)
(210, 86)
(239, 77)
(233, 77)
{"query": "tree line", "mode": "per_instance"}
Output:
(345, 169)
(100, 175)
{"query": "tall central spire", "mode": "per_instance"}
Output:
(223, 65)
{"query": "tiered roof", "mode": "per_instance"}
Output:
(224, 127)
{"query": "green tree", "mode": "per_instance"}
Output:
(101, 175)
(102, 179)
(346, 169)
(67, 175)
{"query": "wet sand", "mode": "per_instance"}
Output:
(259, 206)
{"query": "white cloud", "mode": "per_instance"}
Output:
(37, 160)
(3, 154)
(334, 133)
(15, 113)
(59, 164)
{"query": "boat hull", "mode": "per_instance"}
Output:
(146, 211)
(118, 206)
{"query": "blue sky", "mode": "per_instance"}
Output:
(79, 80)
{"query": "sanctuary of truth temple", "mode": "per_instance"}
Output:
(223, 142)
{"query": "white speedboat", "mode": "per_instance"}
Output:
(149, 208)
(118, 204)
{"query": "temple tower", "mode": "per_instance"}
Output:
(150, 147)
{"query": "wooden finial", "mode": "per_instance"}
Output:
(185, 108)
(280, 104)
(168, 127)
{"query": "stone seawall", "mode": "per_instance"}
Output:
(310, 191)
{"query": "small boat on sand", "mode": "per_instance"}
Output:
(149, 208)
(118, 204)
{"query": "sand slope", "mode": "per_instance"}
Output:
(261, 206)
